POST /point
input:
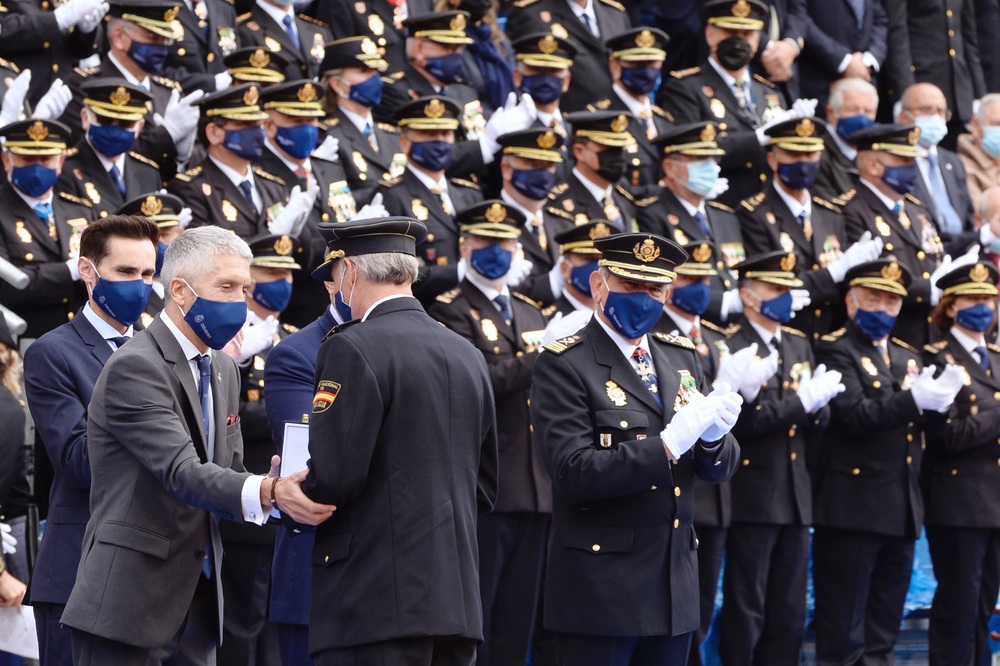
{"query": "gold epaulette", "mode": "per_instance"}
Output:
(559, 213)
(165, 82)
(9, 65)
(793, 331)
(268, 176)
(290, 328)
(600, 105)
(720, 206)
(341, 327)
(905, 346)
(386, 127)
(712, 327)
(521, 4)
(826, 204)
(558, 189)
(751, 203)
(845, 197)
(625, 193)
(242, 18)
(448, 296)
(549, 311)
(72, 152)
(761, 79)
(142, 158)
(315, 21)
(833, 337)
(390, 182)
(74, 199)
(613, 3)
(86, 71)
(520, 296)
(189, 174)
(684, 73)
(909, 197)
(465, 183)
(992, 347)
(936, 347)
(648, 201)
(329, 123)
(562, 344)
(660, 112)
(678, 340)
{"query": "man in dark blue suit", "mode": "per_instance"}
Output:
(117, 261)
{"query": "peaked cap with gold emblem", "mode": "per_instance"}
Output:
(256, 64)
(354, 52)
(696, 139)
(236, 103)
(639, 45)
(372, 236)
(736, 14)
(433, 112)
(274, 251)
(882, 274)
(539, 143)
(699, 263)
(580, 239)
(543, 49)
(800, 135)
(898, 140)
(640, 257)
(163, 209)
(35, 137)
(115, 98)
(969, 280)
(302, 99)
(491, 218)
(442, 27)
(608, 128)
(774, 267)
(156, 16)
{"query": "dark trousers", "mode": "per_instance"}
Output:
(579, 650)
(194, 644)
(293, 644)
(511, 552)
(55, 645)
(967, 567)
(248, 639)
(861, 582)
(763, 613)
(711, 550)
(441, 651)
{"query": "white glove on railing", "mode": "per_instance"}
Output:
(180, 119)
(258, 338)
(866, 249)
(816, 391)
(54, 102)
(372, 210)
(13, 99)
(561, 326)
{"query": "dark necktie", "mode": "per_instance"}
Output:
(248, 193)
(858, 7)
(116, 176)
(984, 360)
(204, 385)
(950, 221)
(587, 22)
(703, 223)
(646, 374)
(504, 306)
(119, 341)
(292, 32)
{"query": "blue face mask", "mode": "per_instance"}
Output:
(702, 176)
(579, 277)
(902, 179)
(343, 309)
(633, 314)
(446, 68)
(640, 80)
(533, 183)
(247, 143)
(932, 130)
(492, 261)
(215, 322)
(977, 318)
(123, 300)
(692, 298)
(110, 140)
(543, 88)
(298, 141)
(778, 309)
(161, 254)
(368, 93)
(874, 323)
(991, 141)
(798, 175)
(273, 295)
(432, 155)
(848, 126)
(34, 179)
(150, 57)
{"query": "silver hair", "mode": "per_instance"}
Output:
(192, 254)
(984, 106)
(392, 267)
(842, 86)
(983, 207)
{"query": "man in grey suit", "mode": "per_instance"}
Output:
(166, 463)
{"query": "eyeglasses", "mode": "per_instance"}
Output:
(929, 111)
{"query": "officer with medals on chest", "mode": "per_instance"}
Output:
(378, 20)
(40, 226)
(274, 25)
(196, 59)
(870, 457)
(103, 168)
(507, 328)
(624, 426)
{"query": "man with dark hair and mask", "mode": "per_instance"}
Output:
(786, 216)
(274, 25)
(103, 168)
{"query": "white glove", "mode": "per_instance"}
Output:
(779, 117)
(180, 118)
(802, 108)
(732, 367)
(732, 304)
(9, 542)
(73, 12)
(74, 268)
(328, 149)
(726, 415)
(562, 325)
(13, 101)
(709, 418)
(184, 217)
(520, 268)
(821, 388)
(93, 18)
(800, 299)
(866, 249)
(54, 102)
(257, 338)
(371, 210)
(293, 216)
(512, 117)
(556, 279)
(941, 270)
(462, 267)
(929, 394)
(223, 80)
(721, 185)
(759, 371)
(986, 235)
(951, 381)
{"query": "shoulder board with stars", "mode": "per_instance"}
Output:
(833, 337)
(189, 174)
(549, 311)
(268, 176)
(86, 71)
(521, 4)
(558, 189)
(720, 206)
(76, 200)
(793, 331)
(386, 127)
(648, 201)
(936, 347)
(612, 3)
(684, 73)
(993, 347)
(341, 327)
(761, 79)
(733, 329)
(165, 82)
(312, 20)
(558, 213)
(905, 346)
(390, 182)
(625, 193)
(845, 197)
(712, 327)
(449, 296)
(465, 183)
(751, 203)
(678, 340)
(826, 204)
(329, 123)
(142, 158)
(660, 112)
(290, 328)
(243, 18)
(72, 152)
(562, 344)
(9, 65)
(522, 297)
(912, 199)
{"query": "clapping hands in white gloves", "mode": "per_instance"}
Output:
(732, 367)
(293, 216)
(328, 149)
(761, 369)
(520, 268)
(257, 338)
(372, 210)
(561, 326)
(180, 119)
(800, 299)
(556, 279)
(720, 187)
(937, 395)
(946, 266)
(865, 250)
(53, 102)
(706, 418)
(13, 99)
(84, 14)
(819, 389)
(512, 117)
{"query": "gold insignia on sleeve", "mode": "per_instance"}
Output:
(646, 251)
(151, 206)
(229, 211)
(616, 393)
(490, 330)
(326, 393)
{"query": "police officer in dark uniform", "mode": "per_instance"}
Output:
(379, 20)
(623, 434)
(103, 168)
(636, 61)
(507, 328)
(197, 59)
(883, 206)
(578, 259)
(726, 91)
(256, 64)
(427, 135)
(368, 150)
(960, 471)
(225, 189)
(40, 226)
(680, 211)
(275, 26)
(870, 457)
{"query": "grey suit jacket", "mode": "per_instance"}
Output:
(153, 493)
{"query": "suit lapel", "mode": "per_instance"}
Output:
(358, 142)
(487, 310)
(99, 347)
(220, 404)
(173, 354)
(277, 31)
(971, 364)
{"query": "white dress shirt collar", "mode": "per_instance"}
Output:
(889, 203)
(144, 83)
(794, 204)
(103, 328)
(599, 193)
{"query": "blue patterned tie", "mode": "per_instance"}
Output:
(646, 374)
(44, 211)
(984, 360)
(248, 193)
(292, 33)
(116, 176)
(703, 223)
(204, 384)
(504, 306)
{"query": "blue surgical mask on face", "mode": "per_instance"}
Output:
(446, 68)
(343, 309)
(368, 93)
(432, 155)
(640, 80)
(150, 57)
(798, 175)
(543, 88)
(215, 322)
(33, 179)
(848, 126)
(298, 141)
(110, 140)
(991, 141)
(901, 179)
(123, 300)
(976, 318)
(492, 261)
(692, 298)
(932, 130)
(778, 309)
(702, 176)
(273, 295)
(247, 143)
(579, 277)
(874, 323)
(633, 314)
(161, 254)
(533, 183)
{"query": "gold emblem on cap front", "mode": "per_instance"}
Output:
(171, 14)
(458, 23)
(741, 9)
(979, 273)
(38, 131)
(260, 59)
(434, 108)
(913, 136)
(805, 127)
(645, 39)
(787, 262)
(307, 93)
(251, 96)
(892, 272)
(283, 246)
(619, 124)
(120, 97)
(702, 253)
(151, 206)
(496, 213)
(368, 46)
(708, 134)
(548, 45)
(599, 231)
(546, 140)
(646, 251)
